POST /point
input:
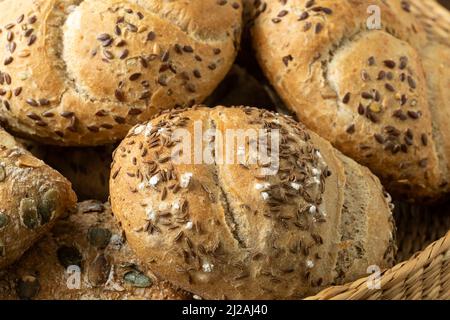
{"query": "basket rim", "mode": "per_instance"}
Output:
(435, 255)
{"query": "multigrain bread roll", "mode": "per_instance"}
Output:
(235, 231)
(88, 168)
(32, 197)
(379, 95)
(83, 72)
(91, 240)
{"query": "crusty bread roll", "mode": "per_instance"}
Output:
(233, 231)
(88, 168)
(83, 72)
(32, 197)
(379, 95)
(91, 240)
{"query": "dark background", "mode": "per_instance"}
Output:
(445, 3)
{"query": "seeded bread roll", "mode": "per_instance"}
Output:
(234, 231)
(81, 73)
(91, 240)
(88, 169)
(32, 197)
(379, 95)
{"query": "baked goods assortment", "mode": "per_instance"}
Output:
(83, 72)
(231, 149)
(321, 219)
(85, 256)
(32, 197)
(380, 96)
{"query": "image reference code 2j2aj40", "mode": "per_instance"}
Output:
(230, 310)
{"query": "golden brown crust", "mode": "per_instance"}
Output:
(83, 72)
(32, 197)
(377, 95)
(228, 230)
(91, 240)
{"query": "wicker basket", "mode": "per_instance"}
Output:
(426, 273)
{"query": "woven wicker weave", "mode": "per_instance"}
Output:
(426, 275)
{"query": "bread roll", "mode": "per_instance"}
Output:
(81, 73)
(32, 197)
(230, 230)
(87, 168)
(379, 94)
(91, 240)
